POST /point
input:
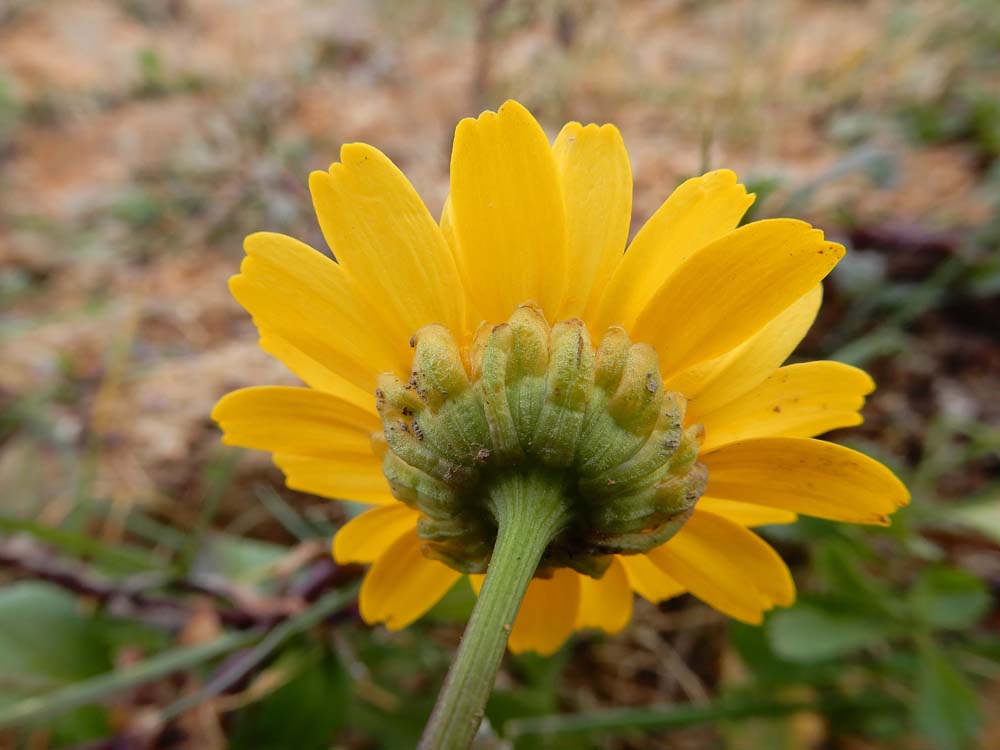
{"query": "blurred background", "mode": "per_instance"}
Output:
(158, 590)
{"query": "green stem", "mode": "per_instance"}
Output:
(530, 511)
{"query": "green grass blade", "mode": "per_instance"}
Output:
(81, 545)
(106, 686)
(667, 716)
(308, 618)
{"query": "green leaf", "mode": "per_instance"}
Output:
(237, 559)
(44, 636)
(837, 562)
(949, 598)
(304, 713)
(807, 633)
(48, 645)
(946, 711)
(982, 517)
(770, 671)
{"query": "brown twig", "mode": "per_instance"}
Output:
(912, 251)
(236, 606)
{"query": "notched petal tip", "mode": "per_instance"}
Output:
(357, 153)
(835, 249)
(508, 111)
(320, 180)
(253, 240)
(512, 106)
(569, 133)
(863, 381)
(226, 407)
(724, 181)
(748, 617)
(719, 177)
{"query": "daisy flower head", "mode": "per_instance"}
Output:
(514, 376)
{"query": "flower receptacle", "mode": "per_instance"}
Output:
(530, 400)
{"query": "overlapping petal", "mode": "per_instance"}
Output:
(366, 537)
(382, 233)
(745, 514)
(729, 290)
(403, 584)
(801, 400)
(701, 210)
(313, 373)
(719, 381)
(295, 421)
(548, 613)
(726, 566)
(596, 180)
(811, 477)
(655, 583)
(304, 297)
(347, 476)
(605, 603)
(648, 580)
(507, 215)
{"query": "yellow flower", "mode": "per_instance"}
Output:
(527, 221)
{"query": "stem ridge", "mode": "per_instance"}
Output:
(531, 509)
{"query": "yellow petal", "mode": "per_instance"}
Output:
(548, 613)
(746, 514)
(366, 538)
(297, 421)
(507, 212)
(649, 581)
(403, 584)
(596, 180)
(698, 212)
(312, 373)
(308, 300)
(796, 401)
(382, 233)
(718, 381)
(731, 289)
(348, 476)
(811, 477)
(605, 603)
(726, 566)
(448, 226)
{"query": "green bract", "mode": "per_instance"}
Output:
(530, 402)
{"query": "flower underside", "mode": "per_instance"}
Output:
(526, 401)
